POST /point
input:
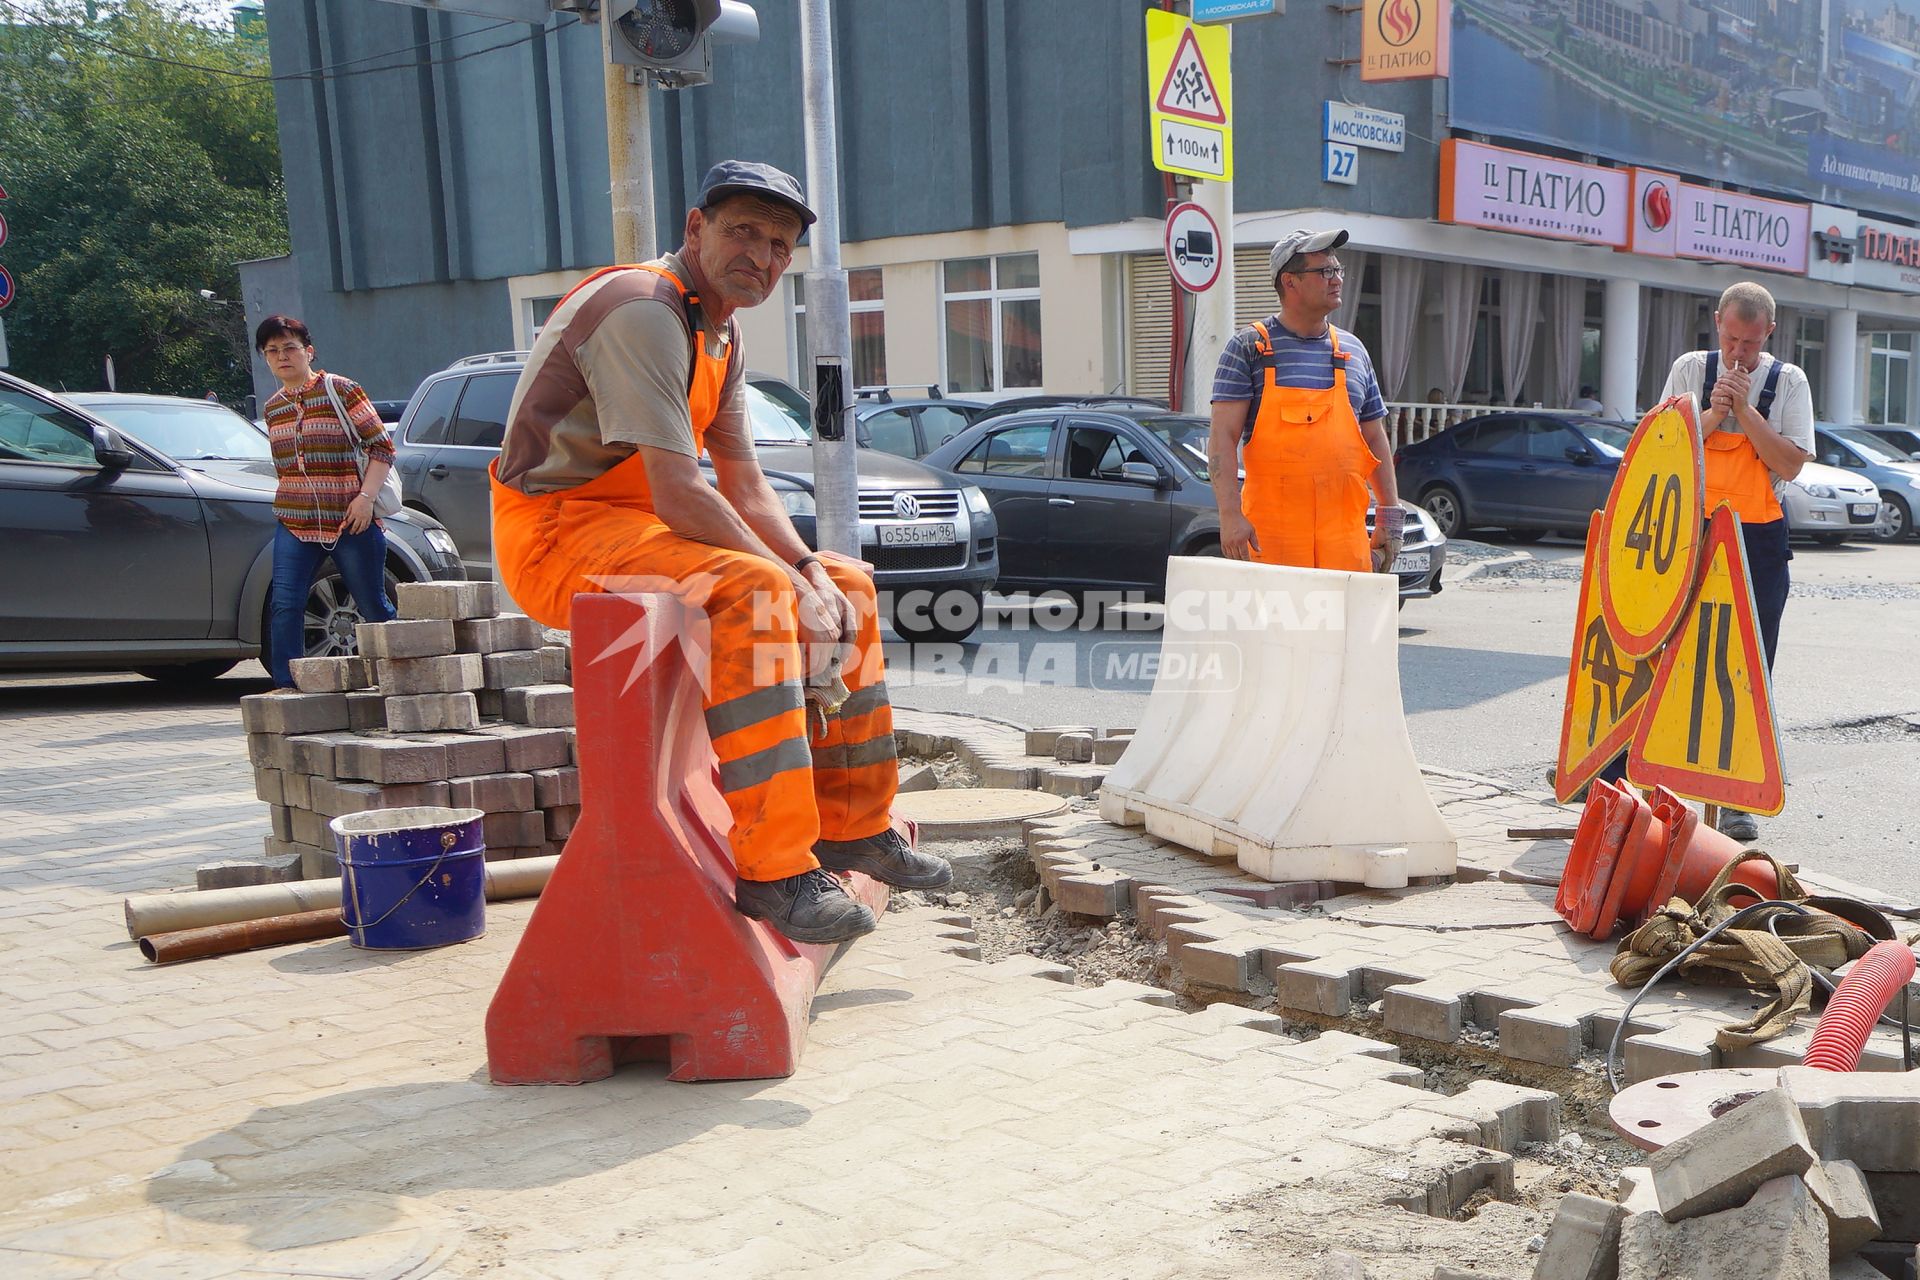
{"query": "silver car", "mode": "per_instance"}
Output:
(1830, 505)
(1871, 460)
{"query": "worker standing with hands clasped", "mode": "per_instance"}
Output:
(1302, 398)
(598, 487)
(1756, 421)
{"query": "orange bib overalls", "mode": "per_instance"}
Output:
(784, 792)
(1735, 474)
(1307, 466)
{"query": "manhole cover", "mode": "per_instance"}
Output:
(346, 1233)
(975, 813)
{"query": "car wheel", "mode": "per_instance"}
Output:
(1525, 536)
(1443, 504)
(949, 617)
(1899, 518)
(1829, 539)
(327, 630)
(185, 674)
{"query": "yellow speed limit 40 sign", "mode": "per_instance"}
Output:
(1650, 532)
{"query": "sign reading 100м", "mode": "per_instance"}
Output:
(1191, 101)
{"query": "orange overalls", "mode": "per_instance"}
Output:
(1735, 474)
(784, 791)
(1307, 466)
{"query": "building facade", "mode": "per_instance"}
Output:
(447, 182)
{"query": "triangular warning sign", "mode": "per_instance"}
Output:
(1606, 690)
(1709, 732)
(1188, 90)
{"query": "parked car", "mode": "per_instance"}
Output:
(1904, 439)
(916, 427)
(1830, 505)
(139, 535)
(1527, 473)
(1869, 457)
(389, 410)
(1099, 497)
(920, 530)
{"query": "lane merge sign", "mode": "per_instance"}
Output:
(1650, 528)
(1191, 99)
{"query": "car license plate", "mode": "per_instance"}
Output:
(1864, 510)
(926, 534)
(1412, 562)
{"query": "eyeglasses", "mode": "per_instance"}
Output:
(281, 349)
(1329, 274)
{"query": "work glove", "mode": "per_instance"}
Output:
(1389, 532)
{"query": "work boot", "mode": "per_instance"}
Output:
(810, 907)
(888, 858)
(1737, 824)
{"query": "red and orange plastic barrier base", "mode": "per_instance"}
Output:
(635, 952)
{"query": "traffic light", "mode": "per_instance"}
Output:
(672, 40)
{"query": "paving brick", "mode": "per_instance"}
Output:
(1109, 750)
(1314, 987)
(268, 786)
(337, 799)
(1039, 742)
(366, 709)
(468, 754)
(509, 631)
(1009, 777)
(329, 675)
(525, 829)
(298, 790)
(310, 827)
(1778, 1234)
(1073, 748)
(416, 639)
(556, 787)
(448, 673)
(561, 820)
(1584, 1241)
(919, 777)
(1844, 1197)
(263, 750)
(288, 713)
(541, 706)
(1869, 1117)
(493, 793)
(1432, 1010)
(312, 753)
(1071, 781)
(1720, 1164)
(448, 601)
(433, 713)
(391, 760)
(280, 818)
(1555, 1035)
(318, 863)
(529, 749)
(237, 873)
(556, 661)
(515, 669)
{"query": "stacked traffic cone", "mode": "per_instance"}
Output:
(1630, 858)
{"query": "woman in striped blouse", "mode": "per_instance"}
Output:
(324, 504)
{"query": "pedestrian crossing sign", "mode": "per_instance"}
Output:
(1709, 732)
(1190, 102)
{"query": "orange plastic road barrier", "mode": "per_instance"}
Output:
(635, 951)
(1629, 858)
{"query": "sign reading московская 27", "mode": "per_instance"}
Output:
(1684, 90)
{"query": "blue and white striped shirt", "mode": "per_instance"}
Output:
(1306, 363)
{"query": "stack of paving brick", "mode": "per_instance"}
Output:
(1817, 1178)
(451, 704)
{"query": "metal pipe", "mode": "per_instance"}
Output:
(829, 327)
(242, 935)
(152, 913)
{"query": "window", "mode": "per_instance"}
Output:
(538, 312)
(891, 431)
(941, 424)
(1504, 437)
(31, 430)
(1889, 370)
(435, 411)
(1094, 453)
(1017, 451)
(482, 423)
(867, 317)
(1550, 440)
(992, 312)
(1811, 351)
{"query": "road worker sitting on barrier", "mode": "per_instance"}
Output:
(1302, 398)
(598, 488)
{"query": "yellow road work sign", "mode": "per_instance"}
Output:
(1709, 734)
(1650, 537)
(1190, 96)
(1606, 690)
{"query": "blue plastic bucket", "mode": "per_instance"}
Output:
(412, 878)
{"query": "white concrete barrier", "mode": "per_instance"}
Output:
(1275, 733)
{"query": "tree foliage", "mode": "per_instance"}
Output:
(135, 180)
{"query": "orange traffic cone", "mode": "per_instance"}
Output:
(1695, 853)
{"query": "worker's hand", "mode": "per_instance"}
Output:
(1389, 532)
(1237, 538)
(834, 601)
(1737, 383)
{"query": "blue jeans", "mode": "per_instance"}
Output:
(361, 558)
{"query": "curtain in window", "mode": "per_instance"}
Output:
(1356, 264)
(1566, 326)
(1400, 298)
(1519, 310)
(1459, 309)
(1786, 328)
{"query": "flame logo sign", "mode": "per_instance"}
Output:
(1399, 21)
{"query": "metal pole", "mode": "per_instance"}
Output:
(829, 332)
(629, 159)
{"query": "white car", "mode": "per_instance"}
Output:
(1831, 505)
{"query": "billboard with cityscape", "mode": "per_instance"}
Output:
(1813, 98)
